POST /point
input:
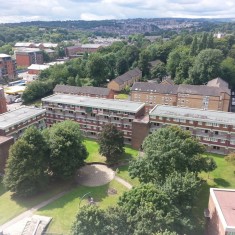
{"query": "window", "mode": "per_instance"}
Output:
(199, 123)
(206, 131)
(216, 132)
(209, 124)
(129, 120)
(187, 128)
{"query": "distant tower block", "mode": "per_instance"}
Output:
(3, 106)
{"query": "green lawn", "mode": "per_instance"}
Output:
(94, 156)
(10, 206)
(122, 96)
(222, 177)
(64, 209)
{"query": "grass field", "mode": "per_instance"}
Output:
(64, 209)
(122, 96)
(222, 177)
(10, 206)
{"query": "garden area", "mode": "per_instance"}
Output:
(64, 209)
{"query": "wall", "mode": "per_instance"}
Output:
(4, 151)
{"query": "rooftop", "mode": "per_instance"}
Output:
(4, 139)
(4, 55)
(78, 90)
(119, 105)
(226, 118)
(38, 66)
(16, 116)
(128, 75)
(224, 200)
(93, 46)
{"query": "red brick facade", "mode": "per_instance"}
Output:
(3, 105)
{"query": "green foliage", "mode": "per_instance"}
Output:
(206, 66)
(25, 173)
(37, 90)
(228, 70)
(167, 150)
(111, 142)
(159, 71)
(149, 210)
(144, 62)
(166, 232)
(122, 66)
(67, 151)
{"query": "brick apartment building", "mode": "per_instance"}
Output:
(37, 68)
(213, 96)
(5, 144)
(91, 91)
(14, 123)
(220, 215)
(214, 129)
(92, 113)
(125, 80)
(73, 51)
(42, 46)
(27, 56)
(3, 104)
(7, 67)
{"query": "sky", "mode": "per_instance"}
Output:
(46, 10)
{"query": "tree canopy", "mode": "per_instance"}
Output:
(111, 142)
(67, 151)
(166, 150)
(26, 170)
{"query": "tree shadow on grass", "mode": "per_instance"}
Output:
(81, 195)
(221, 182)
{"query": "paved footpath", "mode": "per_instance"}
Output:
(31, 211)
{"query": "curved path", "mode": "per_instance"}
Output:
(89, 175)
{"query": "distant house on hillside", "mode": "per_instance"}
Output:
(84, 91)
(127, 79)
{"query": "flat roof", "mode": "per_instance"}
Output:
(224, 200)
(16, 116)
(38, 66)
(227, 118)
(4, 55)
(4, 139)
(111, 104)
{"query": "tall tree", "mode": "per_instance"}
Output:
(166, 150)
(194, 46)
(122, 66)
(67, 151)
(25, 173)
(206, 66)
(111, 142)
(144, 62)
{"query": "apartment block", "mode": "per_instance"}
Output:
(99, 92)
(15, 122)
(27, 56)
(125, 80)
(213, 96)
(5, 144)
(220, 215)
(214, 129)
(7, 67)
(3, 104)
(92, 113)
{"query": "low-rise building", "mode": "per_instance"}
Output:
(213, 96)
(7, 67)
(37, 68)
(214, 129)
(15, 122)
(3, 104)
(220, 214)
(125, 80)
(27, 56)
(93, 113)
(98, 92)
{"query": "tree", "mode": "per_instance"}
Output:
(159, 71)
(210, 165)
(122, 66)
(26, 170)
(182, 190)
(228, 71)
(111, 142)
(194, 46)
(90, 220)
(206, 66)
(166, 232)
(149, 210)
(144, 62)
(166, 150)
(67, 151)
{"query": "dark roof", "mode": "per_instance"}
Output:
(128, 76)
(84, 90)
(154, 87)
(199, 90)
(174, 89)
(169, 80)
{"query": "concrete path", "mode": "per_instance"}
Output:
(123, 182)
(30, 212)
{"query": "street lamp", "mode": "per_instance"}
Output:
(83, 198)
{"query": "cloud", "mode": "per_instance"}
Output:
(27, 10)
